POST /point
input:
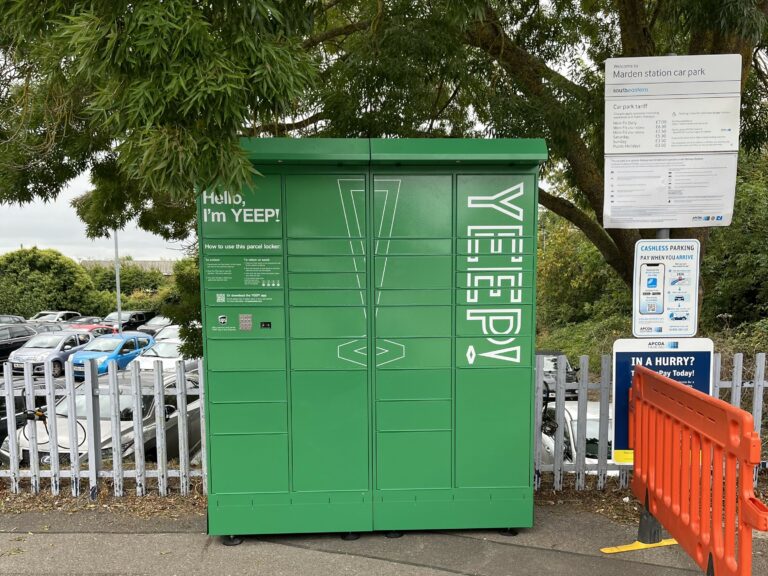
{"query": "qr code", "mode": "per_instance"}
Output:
(652, 307)
(220, 298)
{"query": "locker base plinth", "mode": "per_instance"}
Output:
(391, 514)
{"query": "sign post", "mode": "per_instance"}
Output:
(671, 152)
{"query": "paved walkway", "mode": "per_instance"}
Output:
(564, 541)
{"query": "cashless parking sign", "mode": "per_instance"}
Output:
(666, 288)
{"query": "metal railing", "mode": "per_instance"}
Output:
(575, 438)
(164, 449)
(120, 426)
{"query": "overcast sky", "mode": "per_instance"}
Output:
(56, 225)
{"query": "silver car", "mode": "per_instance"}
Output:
(126, 435)
(54, 346)
(167, 352)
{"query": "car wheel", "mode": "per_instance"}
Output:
(57, 369)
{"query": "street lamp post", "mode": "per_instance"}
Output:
(117, 287)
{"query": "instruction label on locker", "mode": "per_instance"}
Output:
(244, 271)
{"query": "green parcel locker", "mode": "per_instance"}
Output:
(369, 331)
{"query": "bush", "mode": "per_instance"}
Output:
(32, 280)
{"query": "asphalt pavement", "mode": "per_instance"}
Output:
(564, 540)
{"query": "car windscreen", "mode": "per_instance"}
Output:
(103, 345)
(105, 405)
(112, 317)
(158, 321)
(163, 350)
(47, 318)
(169, 332)
(43, 341)
(41, 314)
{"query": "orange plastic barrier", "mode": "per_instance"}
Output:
(694, 467)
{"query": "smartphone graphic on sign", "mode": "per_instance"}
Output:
(652, 289)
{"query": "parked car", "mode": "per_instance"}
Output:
(168, 333)
(549, 429)
(19, 417)
(130, 319)
(550, 374)
(78, 321)
(54, 316)
(54, 346)
(97, 329)
(155, 325)
(41, 327)
(12, 337)
(167, 351)
(59, 418)
(11, 319)
(121, 348)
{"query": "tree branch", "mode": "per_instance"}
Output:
(526, 70)
(282, 128)
(313, 41)
(591, 229)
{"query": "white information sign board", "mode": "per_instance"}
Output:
(666, 288)
(671, 140)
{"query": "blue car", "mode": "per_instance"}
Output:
(109, 347)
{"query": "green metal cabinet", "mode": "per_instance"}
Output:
(369, 322)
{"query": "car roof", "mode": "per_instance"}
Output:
(130, 311)
(125, 334)
(63, 333)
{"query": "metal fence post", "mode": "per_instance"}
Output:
(34, 456)
(114, 414)
(203, 441)
(93, 426)
(538, 405)
(736, 379)
(74, 426)
(160, 448)
(181, 414)
(581, 424)
(138, 431)
(53, 428)
(559, 455)
(602, 447)
(10, 409)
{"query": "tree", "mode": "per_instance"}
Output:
(32, 280)
(150, 96)
(573, 283)
(182, 306)
(132, 277)
(527, 69)
(734, 272)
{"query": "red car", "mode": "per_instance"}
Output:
(97, 329)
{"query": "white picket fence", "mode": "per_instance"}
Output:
(569, 427)
(151, 411)
(132, 398)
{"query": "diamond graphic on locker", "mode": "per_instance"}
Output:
(352, 197)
